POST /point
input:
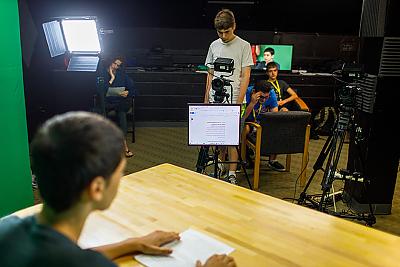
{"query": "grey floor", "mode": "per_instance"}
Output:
(156, 145)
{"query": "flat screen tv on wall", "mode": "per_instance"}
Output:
(282, 55)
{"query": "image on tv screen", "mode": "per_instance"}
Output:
(282, 55)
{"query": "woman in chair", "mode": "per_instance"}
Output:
(114, 76)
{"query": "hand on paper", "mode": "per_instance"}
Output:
(124, 93)
(218, 261)
(151, 243)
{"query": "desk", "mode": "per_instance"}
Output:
(264, 231)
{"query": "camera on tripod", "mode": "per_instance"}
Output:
(347, 94)
(352, 71)
(219, 83)
(332, 148)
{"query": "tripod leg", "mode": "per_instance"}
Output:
(202, 159)
(330, 169)
(216, 172)
(317, 166)
(243, 165)
(371, 219)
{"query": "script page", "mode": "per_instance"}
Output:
(192, 246)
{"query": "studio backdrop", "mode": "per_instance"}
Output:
(15, 177)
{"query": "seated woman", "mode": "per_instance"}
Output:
(114, 76)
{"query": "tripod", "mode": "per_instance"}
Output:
(204, 158)
(332, 149)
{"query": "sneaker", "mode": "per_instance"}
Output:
(276, 166)
(232, 179)
(210, 167)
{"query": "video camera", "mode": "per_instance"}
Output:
(352, 71)
(347, 94)
(222, 64)
(218, 84)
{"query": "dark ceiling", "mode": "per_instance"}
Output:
(323, 16)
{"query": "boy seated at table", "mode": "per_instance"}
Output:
(78, 159)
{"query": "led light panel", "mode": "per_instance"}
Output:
(81, 35)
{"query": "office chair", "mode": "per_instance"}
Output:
(279, 133)
(100, 107)
(300, 105)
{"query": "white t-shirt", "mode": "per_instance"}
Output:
(240, 51)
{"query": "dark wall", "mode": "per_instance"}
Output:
(312, 52)
(312, 16)
(182, 31)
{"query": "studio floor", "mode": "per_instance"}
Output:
(157, 145)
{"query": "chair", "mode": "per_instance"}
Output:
(279, 133)
(101, 108)
(301, 105)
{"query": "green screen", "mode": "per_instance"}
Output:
(283, 55)
(15, 177)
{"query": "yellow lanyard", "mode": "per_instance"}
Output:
(277, 88)
(258, 112)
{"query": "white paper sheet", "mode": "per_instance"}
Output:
(115, 91)
(192, 246)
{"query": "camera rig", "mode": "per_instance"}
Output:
(219, 83)
(333, 146)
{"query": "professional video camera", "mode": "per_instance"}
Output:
(219, 83)
(350, 76)
(347, 94)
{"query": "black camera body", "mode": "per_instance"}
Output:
(352, 71)
(347, 93)
(222, 64)
(220, 83)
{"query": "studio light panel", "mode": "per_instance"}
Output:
(81, 35)
(55, 41)
(77, 37)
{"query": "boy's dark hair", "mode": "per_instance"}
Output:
(272, 65)
(69, 151)
(263, 86)
(224, 20)
(270, 50)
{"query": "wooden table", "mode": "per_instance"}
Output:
(264, 231)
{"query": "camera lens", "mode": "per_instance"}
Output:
(217, 84)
